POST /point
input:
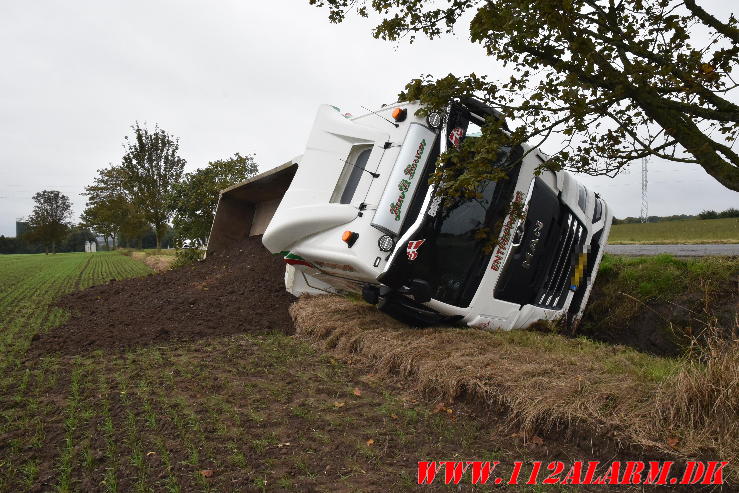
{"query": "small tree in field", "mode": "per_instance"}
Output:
(151, 167)
(106, 217)
(49, 221)
(196, 196)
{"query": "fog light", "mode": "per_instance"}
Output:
(386, 243)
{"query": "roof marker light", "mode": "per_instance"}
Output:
(349, 237)
(399, 114)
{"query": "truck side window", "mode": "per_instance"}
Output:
(351, 174)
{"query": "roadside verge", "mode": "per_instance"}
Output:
(539, 381)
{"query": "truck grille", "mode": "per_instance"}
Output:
(554, 290)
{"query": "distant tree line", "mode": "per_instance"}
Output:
(73, 240)
(146, 201)
(709, 214)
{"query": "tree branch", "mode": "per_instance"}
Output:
(727, 30)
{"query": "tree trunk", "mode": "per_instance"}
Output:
(158, 233)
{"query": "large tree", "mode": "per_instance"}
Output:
(152, 166)
(621, 80)
(196, 197)
(49, 221)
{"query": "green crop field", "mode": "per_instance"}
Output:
(30, 283)
(667, 232)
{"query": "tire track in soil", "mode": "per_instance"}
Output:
(81, 274)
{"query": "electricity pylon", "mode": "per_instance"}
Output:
(644, 203)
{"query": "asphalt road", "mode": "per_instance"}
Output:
(677, 250)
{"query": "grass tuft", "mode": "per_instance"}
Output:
(702, 400)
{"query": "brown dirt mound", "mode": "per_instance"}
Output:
(241, 292)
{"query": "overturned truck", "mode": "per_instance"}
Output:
(356, 213)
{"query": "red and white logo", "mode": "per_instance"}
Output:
(455, 136)
(412, 249)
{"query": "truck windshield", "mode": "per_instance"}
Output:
(454, 247)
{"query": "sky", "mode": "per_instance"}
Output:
(224, 76)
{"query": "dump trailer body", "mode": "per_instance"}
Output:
(245, 209)
(357, 214)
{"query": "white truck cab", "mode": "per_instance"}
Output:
(358, 215)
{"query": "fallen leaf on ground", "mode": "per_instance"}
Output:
(394, 416)
(284, 444)
(439, 407)
(207, 473)
(537, 440)
(672, 442)
(370, 442)
(338, 404)
(357, 391)
(150, 453)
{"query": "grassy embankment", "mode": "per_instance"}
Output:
(663, 304)
(684, 406)
(692, 231)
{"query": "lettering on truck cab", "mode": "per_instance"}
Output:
(404, 185)
(505, 238)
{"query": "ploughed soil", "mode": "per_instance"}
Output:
(243, 291)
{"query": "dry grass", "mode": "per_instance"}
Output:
(156, 262)
(546, 381)
(702, 400)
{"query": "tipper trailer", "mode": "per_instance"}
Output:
(355, 213)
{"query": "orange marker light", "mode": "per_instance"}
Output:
(349, 237)
(399, 114)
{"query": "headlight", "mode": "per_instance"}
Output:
(386, 243)
(435, 120)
